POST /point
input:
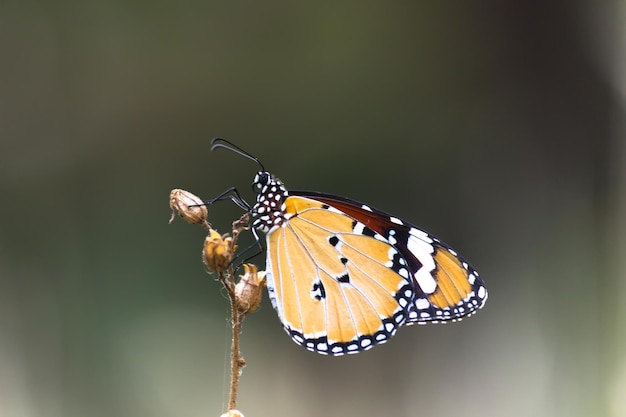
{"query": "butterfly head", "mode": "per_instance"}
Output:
(269, 210)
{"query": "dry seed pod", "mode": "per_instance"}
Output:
(249, 289)
(218, 251)
(188, 206)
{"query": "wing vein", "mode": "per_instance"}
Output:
(318, 269)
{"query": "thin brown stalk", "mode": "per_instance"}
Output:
(236, 361)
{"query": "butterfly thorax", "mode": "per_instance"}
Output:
(269, 210)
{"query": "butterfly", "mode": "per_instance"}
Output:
(343, 276)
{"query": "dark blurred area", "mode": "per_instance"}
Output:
(498, 127)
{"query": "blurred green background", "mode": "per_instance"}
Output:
(498, 127)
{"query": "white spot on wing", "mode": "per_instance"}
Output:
(418, 246)
(380, 237)
(422, 303)
(422, 252)
(359, 228)
(420, 235)
(426, 281)
(395, 220)
(482, 292)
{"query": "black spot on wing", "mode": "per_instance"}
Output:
(362, 229)
(345, 279)
(318, 291)
(368, 232)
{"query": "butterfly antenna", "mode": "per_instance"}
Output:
(223, 143)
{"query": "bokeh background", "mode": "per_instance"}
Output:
(498, 127)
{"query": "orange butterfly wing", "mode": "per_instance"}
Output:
(334, 288)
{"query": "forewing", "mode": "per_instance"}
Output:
(446, 286)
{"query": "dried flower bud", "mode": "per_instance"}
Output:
(243, 223)
(249, 289)
(218, 251)
(232, 413)
(188, 206)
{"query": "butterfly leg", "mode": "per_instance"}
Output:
(233, 195)
(246, 252)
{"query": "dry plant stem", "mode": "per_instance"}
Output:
(228, 281)
(218, 254)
